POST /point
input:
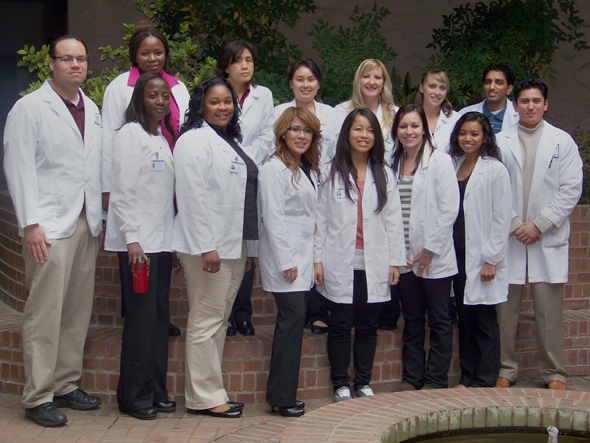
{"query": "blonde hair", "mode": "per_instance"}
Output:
(441, 76)
(310, 157)
(385, 97)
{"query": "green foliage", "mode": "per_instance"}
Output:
(181, 62)
(583, 140)
(524, 34)
(403, 92)
(215, 22)
(342, 50)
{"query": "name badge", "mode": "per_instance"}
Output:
(340, 192)
(236, 164)
(157, 165)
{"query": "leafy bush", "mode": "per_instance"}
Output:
(583, 140)
(524, 34)
(343, 50)
(403, 92)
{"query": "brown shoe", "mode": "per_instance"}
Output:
(557, 385)
(503, 382)
(404, 386)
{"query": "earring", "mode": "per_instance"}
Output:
(168, 112)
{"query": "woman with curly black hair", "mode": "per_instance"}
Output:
(481, 241)
(216, 188)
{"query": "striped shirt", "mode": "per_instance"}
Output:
(404, 187)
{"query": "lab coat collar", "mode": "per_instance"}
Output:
(252, 98)
(59, 107)
(165, 146)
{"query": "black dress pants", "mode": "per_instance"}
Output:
(317, 308)
(281, 387)
(391, 310)
(363, 316)
(242, 308)
(479, 336)
(144, 347)
(418, 295)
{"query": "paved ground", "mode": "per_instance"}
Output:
(108, 425)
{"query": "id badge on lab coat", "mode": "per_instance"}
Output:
(237, 164)
(340, 192)
(157, 165)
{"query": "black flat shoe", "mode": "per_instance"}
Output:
(300, 404)
(173, 330)
(245, 327)
(141, 414)
(231, 413)
(315, 329)
(165, 406)
(235, 405)
(292, 411)
(231, 328)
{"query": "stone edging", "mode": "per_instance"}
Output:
(394, 418)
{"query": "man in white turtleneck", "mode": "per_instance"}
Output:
(546, 174)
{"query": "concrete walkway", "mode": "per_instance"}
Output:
(108, 425)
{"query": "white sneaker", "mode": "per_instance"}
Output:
(365, 391)
(343, 393)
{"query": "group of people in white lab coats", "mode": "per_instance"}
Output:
(351, 210)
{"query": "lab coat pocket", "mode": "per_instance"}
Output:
(333, 265)
(381, 264)
(151, 227)
(556, 237)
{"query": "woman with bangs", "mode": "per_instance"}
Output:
(358, 248)
(371, 89)
(288, 185)
(429, 196)
(433, 97)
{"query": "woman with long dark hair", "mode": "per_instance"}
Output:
(139, 229)
(430, 202)
(480, 235)
(216, 192)
(358, 248)
(288, 194)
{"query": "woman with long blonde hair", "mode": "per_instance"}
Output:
(288, 186)
(371, 89)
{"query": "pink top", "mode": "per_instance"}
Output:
(360, 244)
(134, 75)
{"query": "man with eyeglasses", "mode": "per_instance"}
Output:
(52, 157)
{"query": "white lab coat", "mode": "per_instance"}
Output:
(50, 170)
(444, 127)
(510, 116)
(287, 214)
(115, 102)
(555, 191)
(141, 207)
(256, 123)
(329, 120)
(342, 110)
(434, 209)
(210, 192)
(487, 207)
(335, 237)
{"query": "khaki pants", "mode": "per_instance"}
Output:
(210, 297)
(548, 304)
(57, 314)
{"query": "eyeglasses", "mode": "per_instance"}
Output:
(296, 130)
(68, 59)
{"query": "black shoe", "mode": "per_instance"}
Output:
(142, 414)
(316, 329)
(230, 413)
(300, 404)
(173, 330)
(165, 406)
(245, 327)
(231, 328)
(235, 405)
(77, 399)
(47, 415)
(292, 411)
(388, 327)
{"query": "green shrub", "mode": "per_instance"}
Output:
(524, 34)
(343, 50)
(583, 140)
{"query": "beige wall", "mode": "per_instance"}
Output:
(408, 28)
